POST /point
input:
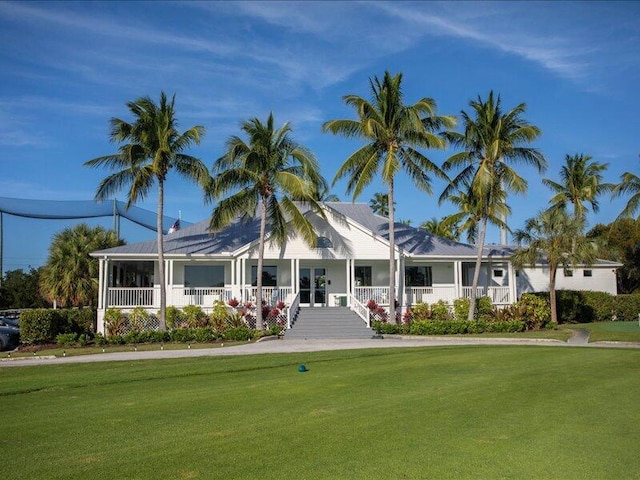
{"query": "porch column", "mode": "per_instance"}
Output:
(513, 291)
(243, 276)
(353, 276)
(233, 277)
(105, 285)
(293, 277)
(169, 280)
(457, 277)
(400, 281)
(347, 281)
(100, 282)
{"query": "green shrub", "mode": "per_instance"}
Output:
(100, 340)
(237, 333)
(384, 328)
(205, 334)
(114, 321)
(81, 320)
(484, 307)
(182, 335)
(461, 309)
(219, 317)
(533, 311)
(84, 339)
(601, 304)
(66, 339)
(138, 319)
(440, 311)
(115, 340)
(627, 307)
(195, 316)
(173, 317)
(41, 325)
(132, 336)
(421, 311)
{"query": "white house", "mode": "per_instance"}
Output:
(348, 267)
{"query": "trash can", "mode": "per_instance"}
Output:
(343, 300)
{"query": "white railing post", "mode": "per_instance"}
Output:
(292, 311)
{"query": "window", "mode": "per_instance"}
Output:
(568, 272)
(498, 272)
(363, 276)
(196, 276)
(587, 273)
(418, 276)
(269, 276)
(324, 242)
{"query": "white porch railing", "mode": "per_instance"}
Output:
(292, 311)
(498, 295)
(378, 294)
(270, 295)
(361, 310)
(133, 297)
(433, 294)
(205, 297)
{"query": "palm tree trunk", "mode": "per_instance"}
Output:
(263, 227)
(159, 226)
(553, 270)
(392, 258)
(476, 271)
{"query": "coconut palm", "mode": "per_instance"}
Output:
(629, 184)
(556, 237)
(392, 132)
(70, 275)
(379, 203)
(441, 228)
(272, 176)
(581, 183)
(151, 147)
(492, 143)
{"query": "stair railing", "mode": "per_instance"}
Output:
(292, 311)
(361, 310)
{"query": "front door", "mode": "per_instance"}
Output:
(313, 287)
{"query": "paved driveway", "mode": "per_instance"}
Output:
(289, 346)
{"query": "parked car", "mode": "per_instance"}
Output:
(9, 338)
(10, 321)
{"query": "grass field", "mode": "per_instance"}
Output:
(440, 412)
(611, 331)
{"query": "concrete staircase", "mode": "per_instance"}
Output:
(328, 322)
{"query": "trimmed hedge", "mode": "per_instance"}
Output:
(576, 306)
(43, 325)
(454, 327)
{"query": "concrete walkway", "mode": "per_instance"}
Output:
(268, 345)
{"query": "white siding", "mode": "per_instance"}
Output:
(537, 280)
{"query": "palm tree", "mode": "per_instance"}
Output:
(70, 275)
(270, 173)
(441, 228)
(556, 237)
(392, 132)
(629, 183)
(581, 182)
(379, 203)
(152, 145)
(492, 141)
(325, 195)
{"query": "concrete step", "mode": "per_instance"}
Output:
(328, 322)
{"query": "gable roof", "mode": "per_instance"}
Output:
(197, 240)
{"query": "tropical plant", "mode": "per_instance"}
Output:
(70, 275)
(629, 184)
(556, 237)
(151, 147)
(379, 203)
(270, 174)
(20, 289)
(392, 132)
(442, 228)
(581, 183)
(492, 143)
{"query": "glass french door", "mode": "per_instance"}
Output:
(313, 287)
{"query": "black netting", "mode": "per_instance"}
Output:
(72, 209)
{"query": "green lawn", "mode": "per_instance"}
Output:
(611, 331)
(440, 412)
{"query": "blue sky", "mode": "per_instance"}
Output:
(66, 68)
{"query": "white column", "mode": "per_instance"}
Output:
(353, 276)
(400, 281)
(243, 276)
(457, 277)
(513, 291)
(100, 282)
(347, 280)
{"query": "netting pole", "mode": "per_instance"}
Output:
(1, 248)
(116, 218)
